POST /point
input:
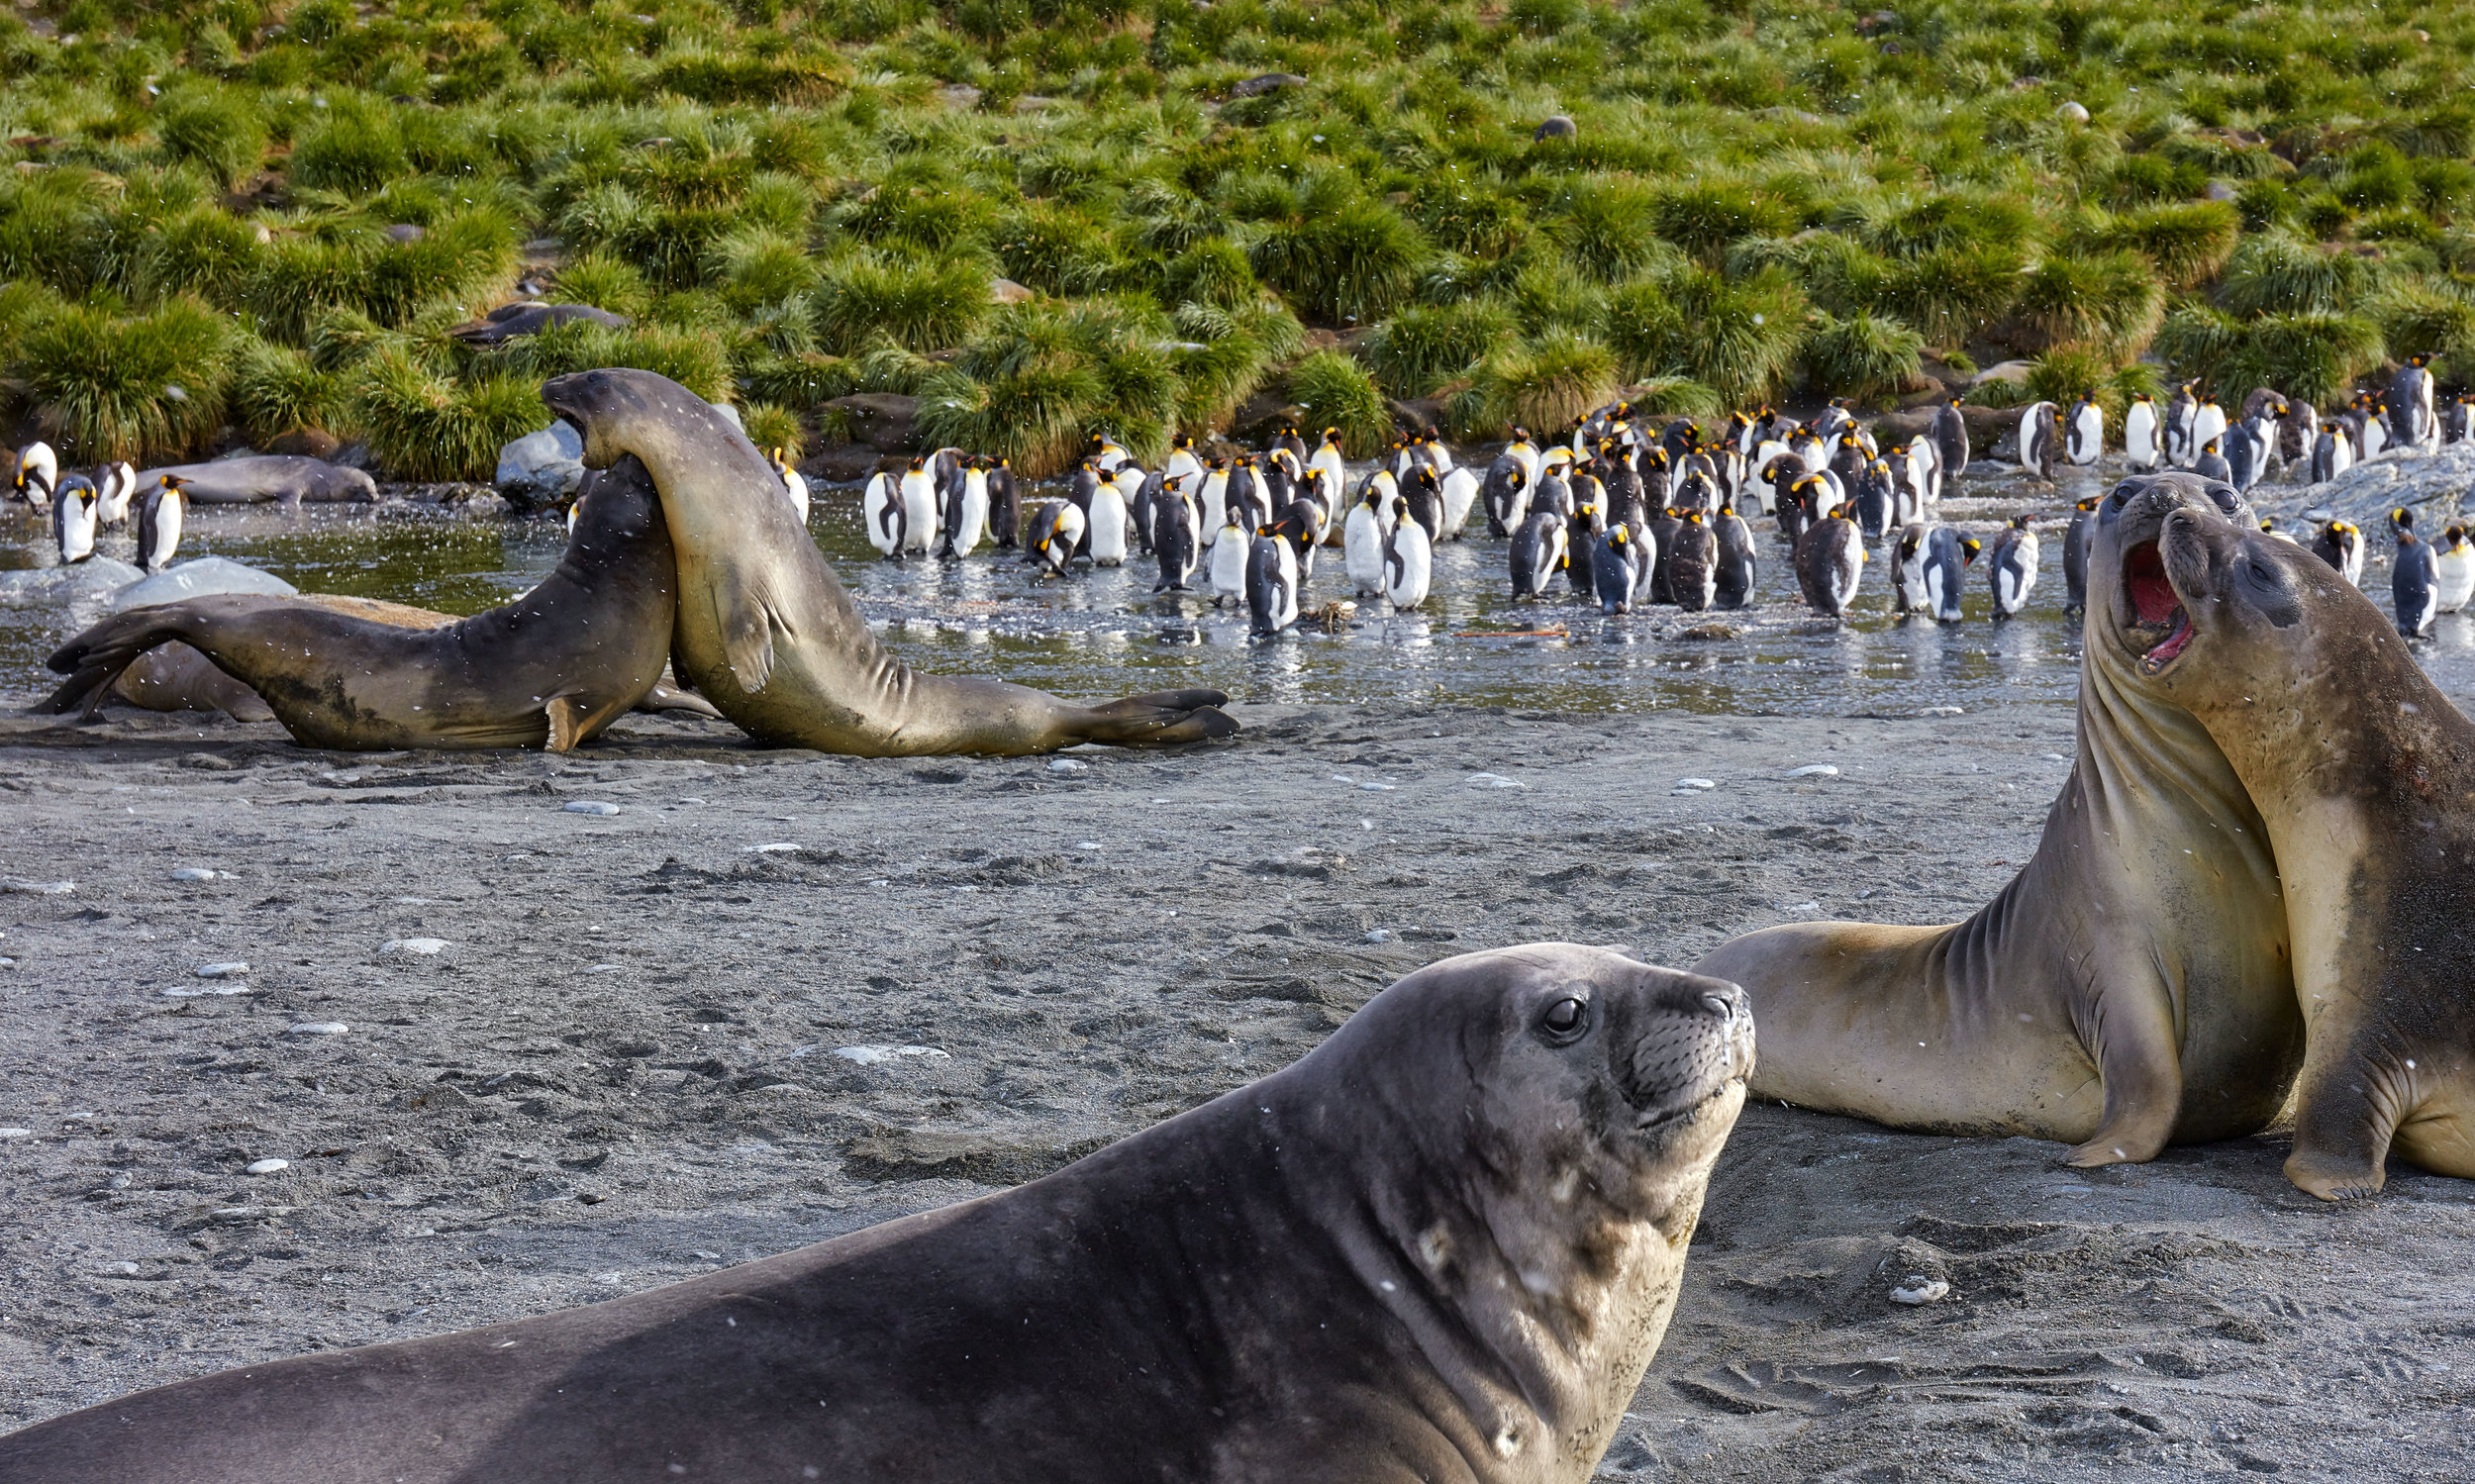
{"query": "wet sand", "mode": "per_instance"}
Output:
(649, 1049)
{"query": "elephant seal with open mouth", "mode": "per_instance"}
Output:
(765, 631)
(1443, 1245)
(2129, 988)
(2365, 775)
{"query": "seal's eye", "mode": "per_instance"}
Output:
(1565, 1020)
(2263, 587)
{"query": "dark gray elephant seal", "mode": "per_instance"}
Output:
(1444, 1244)
(2365, 773)
(514, 321)
(2129, 988)
(766, 632)
(260, 478)
(551, 668)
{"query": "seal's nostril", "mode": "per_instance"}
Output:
(1723, 1005)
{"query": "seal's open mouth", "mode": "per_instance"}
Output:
(2154, 604)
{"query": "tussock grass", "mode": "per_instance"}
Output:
(1420, 349)
(427, 426)
(1862, 356)
(106, 386)
(2108, 302)
(1337, 392)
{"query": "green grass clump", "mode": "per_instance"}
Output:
(1540, 384)
(2108, 302)
(2276, 273)
(429, 427)
(918, 305)
(1418, 351)
(770, 426)
(276, 390)
(1337, 392)
(220, 130)
(1861, 357)
(106, 386)
(1336, 255)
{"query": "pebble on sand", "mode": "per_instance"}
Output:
(20, 886)
(1494, 780)
(775, 848)
(267, 1166)
(193, 991)
(413, 945)
(602, 807)
(1696, 784)
(198, 873)
(872, 1056)
(1379, 935)
(7, 963)
(320, 1028)
(232, 970)
(1815, 771)
(1919, 1290)
(1066, 765)
(16, 1133)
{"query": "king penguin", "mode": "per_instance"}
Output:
(2411, 419)
(1738, 566)
(1409, 559)
(159, 522)
(2036, 440)
(73, 503)
(2415, 581)
(2332, 453)
(1537, 553)
(1362, 541)
(2075, 555)
(116, 487)
(2086, 439)
(1174, 534)
(1830, 563)
(2454, 569)
(1950, 439)
(2013, 570)
(2340, 545)
(2141, 448)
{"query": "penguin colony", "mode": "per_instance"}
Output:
(82, 507)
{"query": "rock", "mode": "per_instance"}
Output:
(320, 1028)
(1006, 291)
(2221, 190)
(1556, 127)
(959, 95)
(16, 1133)
(1494, 780)
(1815, 771)
(197, 873)
(402, 233)
(2072, 113)
(204, 991)
(774, 847)
(1066, 765)
(267, 1166)
(601, 807)
(1378, 935)
(427, 947)
(197, 580)
(1696, 784)
(877, 1056)
(1268, 82)
(884, 421)
(540, 469)
(80, 582)
(20, 886)
(306, 442)
(232, 970)
(843, 464)
(2433, 485)
(2013, 371)
(1920, 1290)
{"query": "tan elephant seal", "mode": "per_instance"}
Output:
(1443, 1245)
(2366, 776)
(551, 668)
(2129, 988)
(766, 632)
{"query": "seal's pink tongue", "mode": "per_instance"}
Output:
(2144, 578)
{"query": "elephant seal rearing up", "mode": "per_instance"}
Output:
(2129, 988)
(1444, 1244)
(766, 632)
(552, 667)
(2366, 776)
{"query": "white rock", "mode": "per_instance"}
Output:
(2074, 110)
(195, 991)
(1066, 765)
(540, 468)
(1379, 935)
(1920, 1289)
(200, 578)
(1813, 770)
(601, 807)
(232, 970)
(777, 847)
(1375, 788)
(1087, 845)
(1494, 780)
(604, 969)
(413, 945)
(320, 1028)
(16, 1133)
(1696, 784)
(197, 873)
(8, 963)
(267, 1166)
(20, 886)
(78, 585)
(872, 1056)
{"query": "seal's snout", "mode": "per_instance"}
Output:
(1692, 1048)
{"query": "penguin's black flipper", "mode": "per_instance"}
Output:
(1162, 719)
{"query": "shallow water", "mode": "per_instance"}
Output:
(1104, 633)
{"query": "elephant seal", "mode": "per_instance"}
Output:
(766, 632)
(1443, 1245)
(2366, 776)
(551, 668)
(2129, 988)
(257, 478)
(512, 321)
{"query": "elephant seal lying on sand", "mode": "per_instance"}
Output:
(2129, 988)
(766, 632)
(1444, 1244)
(551, 668)
(257, 478)
(2366, 776)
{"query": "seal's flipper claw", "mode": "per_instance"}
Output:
(566, 724)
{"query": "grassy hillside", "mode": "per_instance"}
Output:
(1764, 200)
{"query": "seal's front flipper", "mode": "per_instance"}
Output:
(567, 719)
(2132, 1033)
(2347, 1108)
(1162, 719)
(745, 622)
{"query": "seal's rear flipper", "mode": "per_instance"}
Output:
(1162, 719)
(95, 659)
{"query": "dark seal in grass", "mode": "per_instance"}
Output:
(1444, 1244)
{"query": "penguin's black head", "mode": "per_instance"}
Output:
(1969, 547)
(2089, 503)
(2019, 522)
(2401, 518)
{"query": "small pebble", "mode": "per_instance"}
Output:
(1376, 788)
(20, 886)
(16, 1133)
(1695, 783)
(591, 805)
(1815, 771)
(232, 970)
(1066, 765)
(121, 1269)
(1379, 935)
(1087, 845)
(413, 945)
(1920, 1289)
(603, 968)
(193, 991)
(7, 963)
(320, 1028)
(197, 873)
(775, 848)
(1494, 780)
(691, 801)
(871, 1056)
(268, 1166)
